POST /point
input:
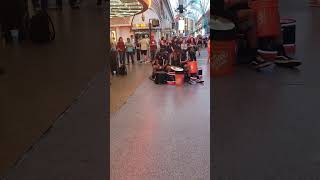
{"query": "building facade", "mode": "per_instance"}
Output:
(138, 25)
(202, 25)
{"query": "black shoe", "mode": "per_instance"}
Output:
(259, 63)
(151, 78)
(286, 61)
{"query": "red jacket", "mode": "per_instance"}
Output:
(153, 45)
(121, 46)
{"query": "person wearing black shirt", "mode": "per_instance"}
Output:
(176, 55)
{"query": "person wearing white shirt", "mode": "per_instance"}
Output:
(144, 45)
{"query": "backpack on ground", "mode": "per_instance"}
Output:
(41, 27)
(161, 77)
(122, 70)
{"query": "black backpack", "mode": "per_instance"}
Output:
(161, 77)
(41, 27)
(122, 70)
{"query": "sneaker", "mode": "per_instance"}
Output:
(151, 78)
(259, 63)
(286, 61)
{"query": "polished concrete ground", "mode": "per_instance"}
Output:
(266, 125)
(75, 148)
(42, 81)
(162, 132)
(122, 87)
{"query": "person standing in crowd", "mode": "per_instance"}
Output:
(169, 49)
(129, 51)
(206, 42)
(198, 44)
(138, 49)
(153, 48)
(176, 58)
(121, 50)
(163, 44)
(192, 48)
(113, 63)
(184, 50)
(144, 45)
(133, 41)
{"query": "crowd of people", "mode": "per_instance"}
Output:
(144, 49)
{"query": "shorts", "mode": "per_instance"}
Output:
(144, 52)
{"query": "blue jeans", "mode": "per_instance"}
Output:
(121, 57)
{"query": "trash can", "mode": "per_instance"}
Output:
(288, 27)
(223, 55)
(268, 18)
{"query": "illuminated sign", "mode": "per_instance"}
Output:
(181, 25)
(141, 25)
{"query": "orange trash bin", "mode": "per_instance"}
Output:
(268, 18)
(223, 57)
(193, 67)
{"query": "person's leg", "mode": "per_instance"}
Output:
(138, 55)
(153, 55)
(128, 56)
(121, 57)
(283, 59)
(131, 56)
(145, 56)
(247, 21)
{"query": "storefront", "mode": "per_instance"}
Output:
(141, 22)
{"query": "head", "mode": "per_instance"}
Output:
(128, 39)
(120, 39)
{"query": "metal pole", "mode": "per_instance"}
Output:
(150, 28)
